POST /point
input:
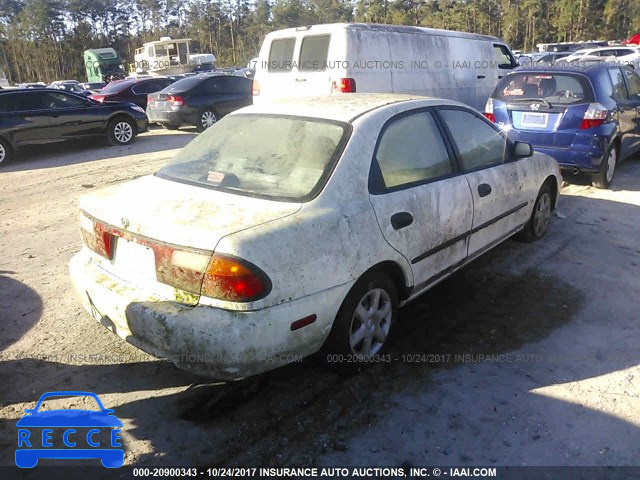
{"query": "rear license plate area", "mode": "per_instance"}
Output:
(535, 120)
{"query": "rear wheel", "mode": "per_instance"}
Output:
(206, 118)
(604, 178)
(538, 224)
(362, 329)
(120, 131)
(5, 152)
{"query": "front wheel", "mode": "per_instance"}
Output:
(120, 131)
(362, 329)
(206, 119)
(538, 223)
(604, 178)
(5, 152)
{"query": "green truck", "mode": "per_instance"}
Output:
(103, 65)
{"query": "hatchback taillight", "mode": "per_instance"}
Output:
(343, 85)
(595, 115)
(488, 110)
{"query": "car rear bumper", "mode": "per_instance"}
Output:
(575, 159)
(214, 342)
(165, 117)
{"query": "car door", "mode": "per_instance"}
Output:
(501, 189)
(25, 118)
(626, 112)
(72, 116)
(225, 95)
(422, 204)
(633, 89)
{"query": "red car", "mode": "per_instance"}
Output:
(633, 40)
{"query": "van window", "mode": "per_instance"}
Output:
(281, 55)
(313, 54)
(504, 57)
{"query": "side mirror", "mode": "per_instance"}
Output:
(522, 150)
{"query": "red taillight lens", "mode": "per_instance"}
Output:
(97, 98)
(149, 100)
(595, 115)
(256, 87)
(177, 101)
(343, 85)
(96, 236)
(590, 123)
(490, 116)
(235, 280)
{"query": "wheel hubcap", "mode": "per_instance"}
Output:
(371, 323)
(542, 215)
(611, 165)
(208, 119)
(123, 132)
(2, 153)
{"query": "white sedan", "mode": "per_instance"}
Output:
(304, 225)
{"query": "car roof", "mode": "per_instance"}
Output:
(341, 107)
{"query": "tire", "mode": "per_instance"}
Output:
(538, 224)
(604, 178)
(121, 131)
(5, 152)
(363, 327)
(206, 118)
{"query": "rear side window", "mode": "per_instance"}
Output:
(633, 83)
(555, 88)
(313, 53)
(504, 57)
(411, 151)
(479, 144)
(619, 87)
(281, 55)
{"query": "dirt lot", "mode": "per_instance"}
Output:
(527, 357)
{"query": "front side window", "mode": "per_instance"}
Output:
(313, 53)
(504, 57)
(270, 156)
(281, 55)
(479, 144)
(410, 151)
(60, 100)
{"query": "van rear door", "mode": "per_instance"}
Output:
(274, 77)
(312, 76)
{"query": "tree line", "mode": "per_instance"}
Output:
(43, 40)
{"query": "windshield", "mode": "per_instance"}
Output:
(278, 157)
(554, 88)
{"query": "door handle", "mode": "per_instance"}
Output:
(401, 219)
(484, 189)
(481, 77)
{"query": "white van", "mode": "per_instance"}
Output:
(356, 57)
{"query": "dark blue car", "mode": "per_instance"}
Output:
(69, 434)
(586, 117)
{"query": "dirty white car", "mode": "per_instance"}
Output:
(300, 225)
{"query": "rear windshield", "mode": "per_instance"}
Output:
(555, 88)
(183, 85)
(116, 86)
(278, 157)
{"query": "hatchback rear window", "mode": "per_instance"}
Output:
(270, 156)
(281, 55)
(555, 88)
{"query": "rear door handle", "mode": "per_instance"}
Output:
(484, 189)
(481, 77)
(401, 219)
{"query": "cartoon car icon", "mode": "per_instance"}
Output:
(82, 432)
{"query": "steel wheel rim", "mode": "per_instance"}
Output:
(3, 153)
(542, 215)
(370, 323)
(611, 165)
(207, 119)
(123, 132)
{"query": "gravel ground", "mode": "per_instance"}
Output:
(529, 356)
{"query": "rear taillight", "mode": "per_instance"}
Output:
(149, 100)
(488, 110)
(595, 115)
(177, 101)
(343, 85)
(96, 236)
(255, 87)
(97, 97)
(217, 276)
